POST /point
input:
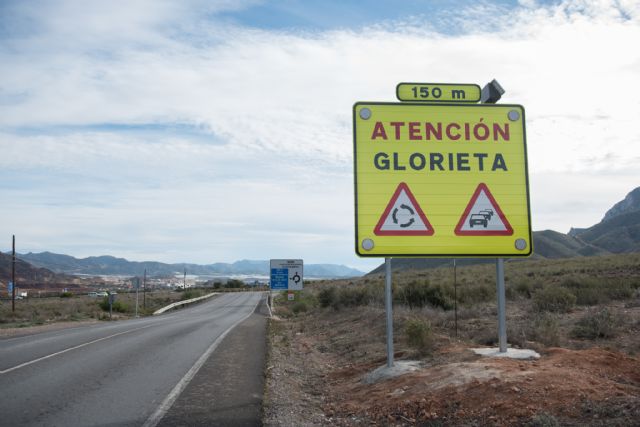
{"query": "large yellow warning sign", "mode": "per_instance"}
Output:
(441, 180)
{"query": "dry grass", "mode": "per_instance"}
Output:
(325, 350)
(547, 301)
(41, 311)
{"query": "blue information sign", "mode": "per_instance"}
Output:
(10, 287)
(286, 274)
(279, 279)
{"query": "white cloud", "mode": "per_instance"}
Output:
(277, 109)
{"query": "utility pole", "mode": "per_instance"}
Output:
(13, 276)
(184, 280)
(144, 290)
(137, 291)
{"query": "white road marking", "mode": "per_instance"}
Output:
(31, 362)
(166, 404)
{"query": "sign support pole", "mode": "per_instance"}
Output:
(455, 296)
(502, 318)
(13, 276)
(389, 309)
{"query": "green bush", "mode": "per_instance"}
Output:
(117, 306)
(419, 335)
(352, 296)
(591, 296)
(524, 288)
(299, 307)
(327, 297)
(596, 324)
(66, 294)
(554, 298)
(546, 330)
(592, 291)
(620, 290)
(476, 293)
(420, 294)
(235, 283)
(190, 294)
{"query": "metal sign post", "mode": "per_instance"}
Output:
(502, 317)
(389, 309)
(455, 296)
(491, 93)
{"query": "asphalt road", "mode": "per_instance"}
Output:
(127, 373)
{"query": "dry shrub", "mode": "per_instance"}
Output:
(596, 324)
(554, 298)
(419, 335)
(419, 294)
(546, 330)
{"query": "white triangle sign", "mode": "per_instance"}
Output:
(483, 216)
(403, 216)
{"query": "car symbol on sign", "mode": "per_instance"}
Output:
(478, 219)
(488, 213)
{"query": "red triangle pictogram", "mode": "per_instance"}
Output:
(483, 216)
(403, 216)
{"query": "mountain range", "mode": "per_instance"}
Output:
(618, 232)
(109, 265)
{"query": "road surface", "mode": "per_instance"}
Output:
(126, 373)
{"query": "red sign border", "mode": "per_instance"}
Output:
(378, 230)
(459, 232)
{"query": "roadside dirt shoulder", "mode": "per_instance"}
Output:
(317, 363)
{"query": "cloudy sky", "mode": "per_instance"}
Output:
(213, 131)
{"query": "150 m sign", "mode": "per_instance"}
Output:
(438, 92)
(441, 180)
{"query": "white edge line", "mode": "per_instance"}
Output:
(166, 404)
(22, 365)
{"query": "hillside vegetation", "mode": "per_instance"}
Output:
(581, 314)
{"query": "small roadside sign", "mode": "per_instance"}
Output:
(438, 92)
(286, 274)
(10, 287)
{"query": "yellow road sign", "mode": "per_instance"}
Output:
(441, 180)
(438, 92)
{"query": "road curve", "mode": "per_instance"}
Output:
(123, 373)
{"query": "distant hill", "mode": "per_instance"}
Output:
(618, 232)
(630, 204)
(551, 244)
(26, 272)
(109, 265)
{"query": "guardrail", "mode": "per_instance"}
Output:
(179, 303)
